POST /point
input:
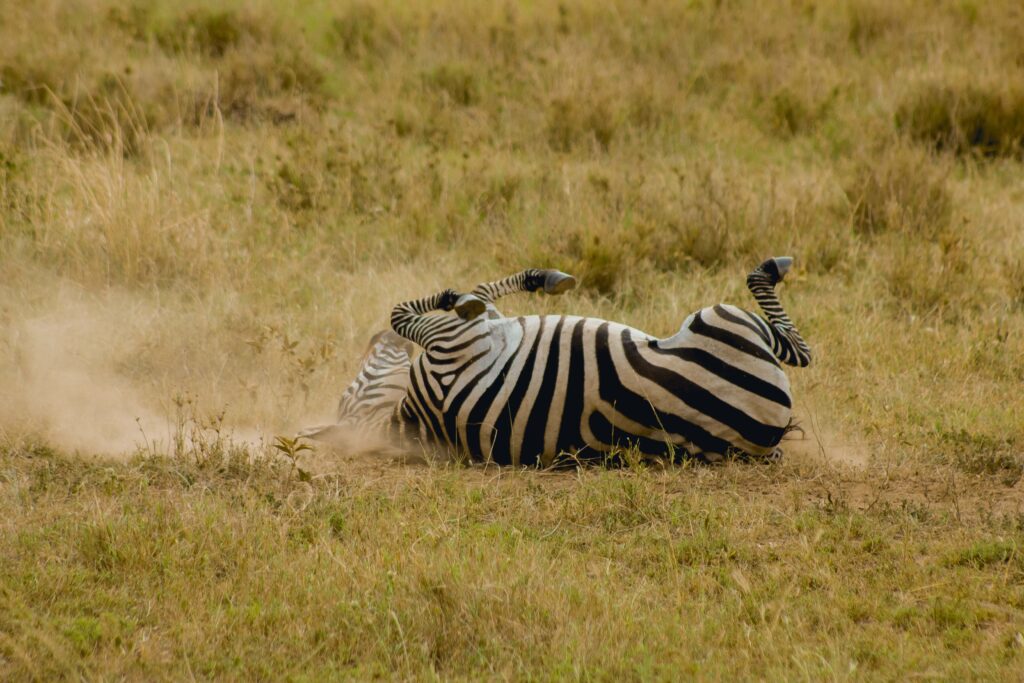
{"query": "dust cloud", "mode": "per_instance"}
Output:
(58, 379)
(817, 441)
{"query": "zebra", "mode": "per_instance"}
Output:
(370, 401)
(521, 391)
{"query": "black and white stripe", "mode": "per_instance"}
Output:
(523, 390)
(371, 400)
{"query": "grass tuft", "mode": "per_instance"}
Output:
(213, 33)
(985, 553)
(983, 119)
(901, 190)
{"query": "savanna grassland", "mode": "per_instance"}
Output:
(206, 209)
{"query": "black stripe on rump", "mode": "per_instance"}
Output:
(699, 326)
(570, 435)
(639, 409)
(605, 431)
(700, 399)
(536, 424)
(760, 322)
(725, 314)
(730, 373)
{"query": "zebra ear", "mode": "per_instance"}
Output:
(469, 307)
(557, 282)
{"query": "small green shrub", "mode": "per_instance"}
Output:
(84, 633)
(985, 553)
(870, 21)
(272, 85)
(951, 615)
(211, 33)
(572, 124)
(979, 453)
(357, 33)
(458, 82)
(985, 119)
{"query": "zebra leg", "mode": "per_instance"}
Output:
(787, 344)
(409, 321)
(481, 299)
(531, 280)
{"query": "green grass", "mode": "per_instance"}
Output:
(207, 209)
(164, 568)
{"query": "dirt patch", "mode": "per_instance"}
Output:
(816, 441)
(341, 450)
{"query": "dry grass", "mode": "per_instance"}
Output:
(222, 202)
(166, 568)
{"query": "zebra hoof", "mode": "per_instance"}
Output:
(469, 307)
(557, 282)
(783, 264)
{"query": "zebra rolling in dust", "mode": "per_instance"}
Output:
(523, 390)
(369, 403)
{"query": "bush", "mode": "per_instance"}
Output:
(212, 33)
(980, 119)
(600, 260)
(934, 279)
(457, 82)
(1014, 272)
(978, 453)
(870, 21)
(102, 112)
(356, 33)
(572, 124)
(273, 85)
(902, 190)
(793, 111)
